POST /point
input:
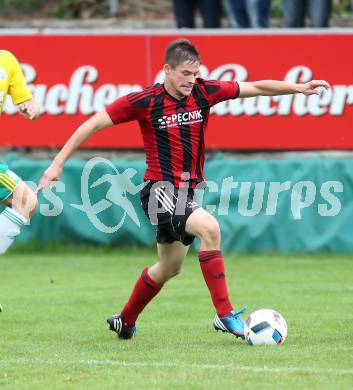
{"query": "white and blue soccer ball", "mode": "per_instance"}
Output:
(265, 327)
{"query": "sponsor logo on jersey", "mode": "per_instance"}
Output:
(180, 119)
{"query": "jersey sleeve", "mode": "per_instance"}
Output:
(219, 91)
(123, 110)
(18, 89)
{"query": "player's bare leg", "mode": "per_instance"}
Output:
(23, 200)
(22, 203)
(148, 285)
(170, 261)
(204, 226)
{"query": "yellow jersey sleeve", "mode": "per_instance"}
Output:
(18, 89)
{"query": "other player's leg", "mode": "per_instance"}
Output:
(169, 264)
(203, 225)
(21, 203)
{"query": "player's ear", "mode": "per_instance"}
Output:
(167, 68)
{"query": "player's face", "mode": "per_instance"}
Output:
(181, 79)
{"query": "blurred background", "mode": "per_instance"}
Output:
(79, 56)
(163, 13)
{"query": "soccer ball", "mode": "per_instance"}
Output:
(265, 327)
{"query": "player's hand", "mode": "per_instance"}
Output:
(314, 87)
(29, 109)
(50, 176)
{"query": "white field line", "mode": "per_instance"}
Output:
(308, 370)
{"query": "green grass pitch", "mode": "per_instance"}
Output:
(53, 333)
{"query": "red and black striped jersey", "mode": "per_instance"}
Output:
(173, 130)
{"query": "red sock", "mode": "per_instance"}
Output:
(212, 266)
(144, 291)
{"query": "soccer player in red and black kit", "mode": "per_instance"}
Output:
(173, 117)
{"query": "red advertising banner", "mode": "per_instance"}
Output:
(74, 76)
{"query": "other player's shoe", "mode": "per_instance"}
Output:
(116, 324)
(231, 323)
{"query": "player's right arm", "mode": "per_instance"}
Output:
(97, 122)
(120, 111)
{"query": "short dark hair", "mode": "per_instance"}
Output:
(179, 51)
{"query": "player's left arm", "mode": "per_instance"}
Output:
(274, 87)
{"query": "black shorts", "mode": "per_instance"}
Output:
(168, 208)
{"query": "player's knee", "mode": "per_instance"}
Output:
(211, 232)
(24, 201)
